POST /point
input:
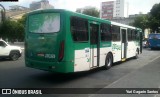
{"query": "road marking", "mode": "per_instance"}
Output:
(131, 72)
(154, 59)
(157, 95)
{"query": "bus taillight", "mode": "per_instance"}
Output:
(26, 47)
(61, 51)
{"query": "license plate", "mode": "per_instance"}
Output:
(40, 55)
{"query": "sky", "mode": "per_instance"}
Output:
(135, 6)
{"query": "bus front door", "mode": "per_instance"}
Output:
(94, 45)
(124, 44)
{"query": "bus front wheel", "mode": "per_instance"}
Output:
(108, 61)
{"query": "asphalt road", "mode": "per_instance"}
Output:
(14, 74)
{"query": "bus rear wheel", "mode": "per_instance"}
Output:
(108, 61)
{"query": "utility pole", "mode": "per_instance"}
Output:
(3, 13)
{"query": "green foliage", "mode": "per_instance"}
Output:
(13, 30)
(141, 22)
(23, 20)
(155, 11)
(151, 20)
(92, 11)
(155, 18)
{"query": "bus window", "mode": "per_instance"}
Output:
(129, 34)
(44, 23)
(79, 29)
(135, 35)
(115, 33)
(154, 36)
(106, 32)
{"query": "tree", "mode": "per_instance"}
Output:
(151, 20)
(154, 17)
(92, 11)
(141, 22)
(23, 20)
(13, 30)
(8, 29)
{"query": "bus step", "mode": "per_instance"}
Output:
(123, 59)
(93, 67)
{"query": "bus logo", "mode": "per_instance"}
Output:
(6, 91)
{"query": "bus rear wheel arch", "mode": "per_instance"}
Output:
(108, 61)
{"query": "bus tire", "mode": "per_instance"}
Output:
(108, 61)
(14, 55)
(137, 53)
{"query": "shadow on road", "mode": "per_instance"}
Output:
(4, 59)
(153, 49)
(63, 78)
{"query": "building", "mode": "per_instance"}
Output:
(120, 8)
(43, 4)
(107, 10)
(111, 9)
(123, 20)
(126, 20)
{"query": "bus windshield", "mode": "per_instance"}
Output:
(154, 36)
(44, 23)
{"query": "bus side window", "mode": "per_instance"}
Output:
(135, 35)
(106, 32)
(129, 34)
(115, 33)
(79, 29)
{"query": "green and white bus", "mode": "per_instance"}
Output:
(63, 41)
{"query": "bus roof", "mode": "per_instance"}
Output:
(122, 25)
(83, 16)
(70, 12)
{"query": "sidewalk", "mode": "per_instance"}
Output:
(145, 77)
